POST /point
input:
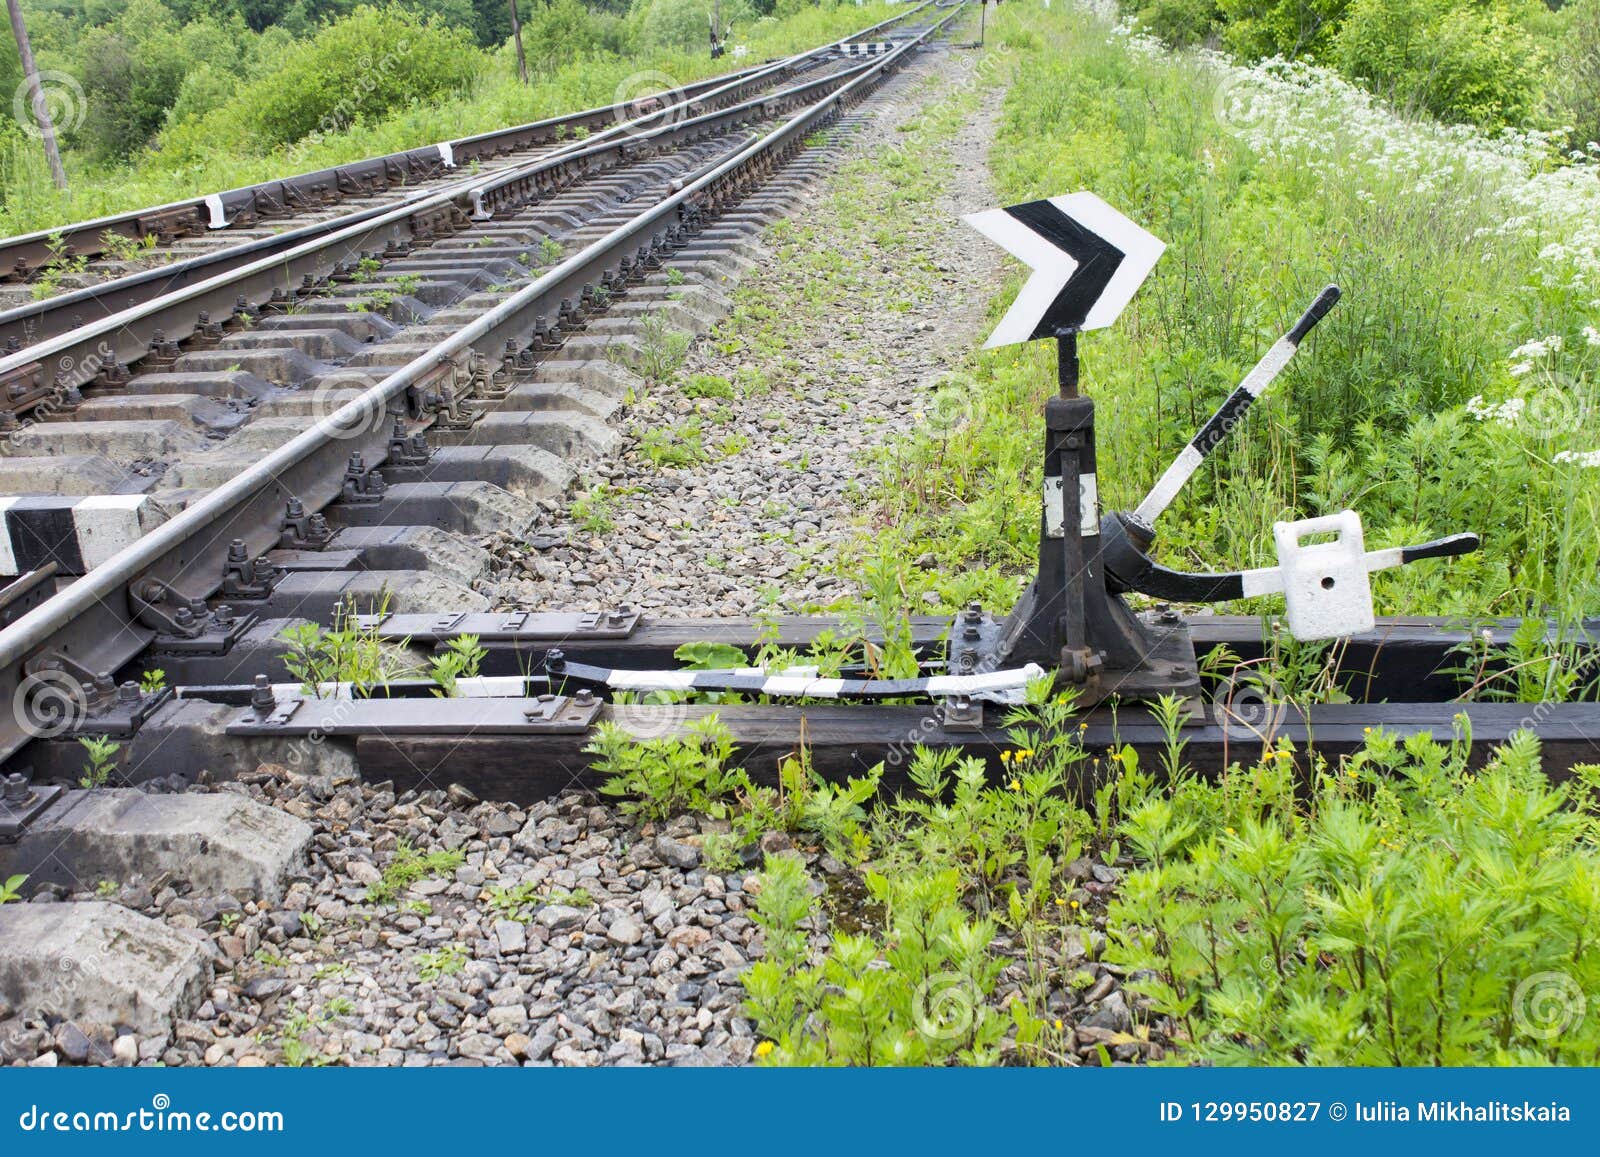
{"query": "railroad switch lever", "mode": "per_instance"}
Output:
(1323, 564)
(1087, 261)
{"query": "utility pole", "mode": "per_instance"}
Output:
(41, 110)
(516, 34)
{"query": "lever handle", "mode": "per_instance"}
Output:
(1448, 547)
(1326, 300)
(1228, 415)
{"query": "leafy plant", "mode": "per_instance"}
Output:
(1403, 916)
(461, 659)
(917, 996)
(346, 653)
(11, 888)
(519, 901)
(100, 753)
(593, 509)
(660, 351)
(674, 446)
(445, 961)
(708, 386)
(293, 1039)
(121, 247)
(659, 778)
(61, 265)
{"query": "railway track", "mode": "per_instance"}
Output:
(113, 246)
(142, 240)
(220, 237)
(378, 399)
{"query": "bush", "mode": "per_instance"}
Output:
(369, 64)
(1180, 22)
(563, 29)
(1256, 28)
(132, 72)
(1460, 62)
(684, 23)
(204, 89)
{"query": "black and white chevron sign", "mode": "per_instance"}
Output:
(1088, 261)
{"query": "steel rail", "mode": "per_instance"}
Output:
(92, 623)
(24, 253)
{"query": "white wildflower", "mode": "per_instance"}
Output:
(1583, 459)
(1521, 369)
(1591, 335)
(1506, 413)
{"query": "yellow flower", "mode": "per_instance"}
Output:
(1005, 757)
(1058, 1024)
(1014, 786)
(1060, 903)
(1074, 904)
(764, 1048)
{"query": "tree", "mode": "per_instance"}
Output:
(516, 34)
(36, 95)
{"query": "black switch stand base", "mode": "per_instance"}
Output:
(1068, 621)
